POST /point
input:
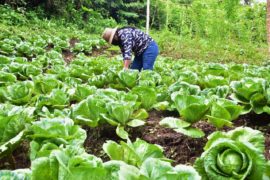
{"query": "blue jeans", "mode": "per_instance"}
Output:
(147, 59)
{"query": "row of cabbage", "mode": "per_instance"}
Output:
(38, 44)
(209, 89)
(45, 101)
(56, 152)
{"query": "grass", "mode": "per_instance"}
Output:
(210, 51)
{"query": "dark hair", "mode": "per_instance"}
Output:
(118, 42)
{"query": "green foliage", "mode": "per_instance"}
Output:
(13, 122)
(156, 169)
(133, 153)
(93, 91)
(223, 111)
(181, 126)
(237, 154)
(67, 164)
(20, 92)
(187, 104)
(147, 96)
(19, 174)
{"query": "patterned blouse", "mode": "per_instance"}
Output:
(133, 39)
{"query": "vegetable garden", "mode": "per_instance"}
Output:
(69, 111)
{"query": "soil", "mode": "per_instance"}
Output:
(73, 41)
(180, 148)
(185, 150)
(68, 56)
(19, 159)
(49, 47)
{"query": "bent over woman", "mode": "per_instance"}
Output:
(130, 40)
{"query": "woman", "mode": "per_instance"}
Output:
(130, 40)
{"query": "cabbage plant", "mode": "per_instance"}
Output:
(149, 78)
(120, 114)
(253, 93)
(211, 81)
(81, 92)
(7, 78)
(191, 108)
(20, 93)
(13, 122)
(128, 78)
(223, 112)
(219, 91)
(146, 95)
(133, 153)
(57, 130)
(88, 111)
(67, 164)
(237, 154)
(18, 174)
(244, 89)
(45, 84)
(58, 99)
(153, 168)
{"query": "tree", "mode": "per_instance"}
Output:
(268, 26)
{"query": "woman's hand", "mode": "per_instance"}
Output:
(126, 64)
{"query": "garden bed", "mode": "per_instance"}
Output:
(178, 147)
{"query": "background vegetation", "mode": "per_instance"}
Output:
(209, 30)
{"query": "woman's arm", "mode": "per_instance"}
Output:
(126, 63)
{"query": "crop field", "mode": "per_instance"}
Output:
(68, 110)
(81, 116)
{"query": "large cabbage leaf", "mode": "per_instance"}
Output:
(153, 168)
(181, 126)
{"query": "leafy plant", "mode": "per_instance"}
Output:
(45, 84)
(147, 96)
(68, 163)
(186, 105)
(119, 114)
(128, 78)
(223, 111)
(153, 168)
(60, 130)
(253, 93)
(13, 122)
(211, 81)
(181, 126)
(18, 174)
(237, 154)
(133, 153)
(80, 92)
(88, 111)
(246, 88)
(20, 93)
(7, 78)
(58, 99)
